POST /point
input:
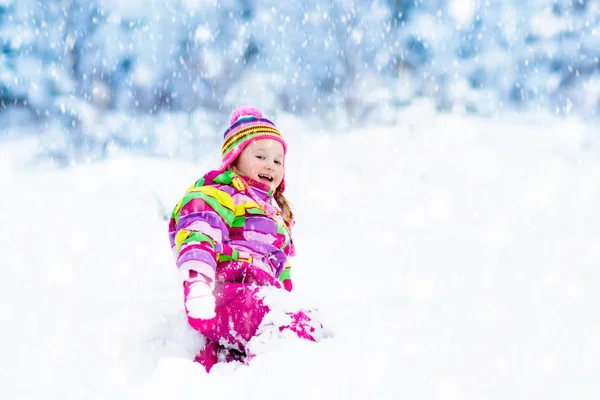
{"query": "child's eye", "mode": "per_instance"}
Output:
(260, 157)
(278, 162)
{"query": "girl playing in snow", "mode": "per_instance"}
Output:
(230, 234)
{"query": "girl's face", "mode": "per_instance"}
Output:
(262, 160)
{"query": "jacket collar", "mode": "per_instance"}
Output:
(262, 190)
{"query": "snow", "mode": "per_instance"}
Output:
(201, 303)
(462, 11)
(546, 24)
(452, 257)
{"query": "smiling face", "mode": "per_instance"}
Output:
(262, 160)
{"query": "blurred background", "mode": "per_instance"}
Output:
(160, 78)
(444, 170)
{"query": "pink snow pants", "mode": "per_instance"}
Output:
(239, 312)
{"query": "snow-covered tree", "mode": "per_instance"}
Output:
(89, 71)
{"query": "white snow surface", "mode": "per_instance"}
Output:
(452, 257)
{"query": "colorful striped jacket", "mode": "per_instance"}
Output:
(218, 230)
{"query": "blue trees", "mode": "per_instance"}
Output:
(72, 66)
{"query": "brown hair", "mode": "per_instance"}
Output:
(285, 207)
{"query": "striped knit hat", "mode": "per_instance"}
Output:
(247, 124)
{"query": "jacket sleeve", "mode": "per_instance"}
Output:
(285, 277)
(199, 225)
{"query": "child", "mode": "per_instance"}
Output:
(230, 234)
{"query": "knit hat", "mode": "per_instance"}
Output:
(247, 124)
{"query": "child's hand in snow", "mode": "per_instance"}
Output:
(201, 307)
(199, 299)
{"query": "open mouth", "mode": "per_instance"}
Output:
(266, 177)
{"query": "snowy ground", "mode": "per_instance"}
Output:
(454, 258)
